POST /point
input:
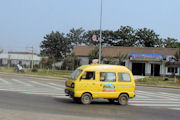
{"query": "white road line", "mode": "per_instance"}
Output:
(156, 105)
(153, 99)
(141, 96)
(174, 108)
(67, 97)
(4, 81)
(57, 85)
(18, 81)
(157, 102)
(150, 94)
(171, 94)
(46, 85)
(45, 93)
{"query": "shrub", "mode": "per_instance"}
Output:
(34, 70)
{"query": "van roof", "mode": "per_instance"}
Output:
(104, 67)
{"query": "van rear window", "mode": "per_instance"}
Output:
(108, 77)
(124, 77)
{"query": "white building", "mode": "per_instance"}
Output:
(23, 58)
(141, 61)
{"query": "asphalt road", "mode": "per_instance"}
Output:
(30, 98)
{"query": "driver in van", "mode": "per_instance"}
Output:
(89, 76)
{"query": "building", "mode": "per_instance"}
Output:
(23, 58)
(146, 61)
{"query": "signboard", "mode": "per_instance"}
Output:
(146, 56)
(94, 37)
(170, 59)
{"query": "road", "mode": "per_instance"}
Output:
(27, 98)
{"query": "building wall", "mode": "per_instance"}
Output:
(147, 69)
(128, 64)
(14, 59)
(84, 60)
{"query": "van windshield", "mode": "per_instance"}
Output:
(75, 74)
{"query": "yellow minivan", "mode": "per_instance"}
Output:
(112, 82)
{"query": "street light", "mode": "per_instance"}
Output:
(100, 34)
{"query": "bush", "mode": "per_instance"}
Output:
(34, 70)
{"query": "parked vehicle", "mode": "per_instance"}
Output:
(111, 82)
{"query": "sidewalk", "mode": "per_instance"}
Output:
(40, 76)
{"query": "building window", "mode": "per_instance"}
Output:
(172, 69)
(108, 77)
(124, 77)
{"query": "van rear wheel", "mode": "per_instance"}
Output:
(123, 99)
(86, 98)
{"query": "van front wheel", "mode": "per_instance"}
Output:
(123, 99)
(86, 98)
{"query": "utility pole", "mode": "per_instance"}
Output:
(32, 57)
(100, 34)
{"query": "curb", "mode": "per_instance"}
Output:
(159, 86)
(39, 76)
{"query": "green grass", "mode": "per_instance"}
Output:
(159, 81)
(41, 72)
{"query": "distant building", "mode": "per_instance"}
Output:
(23, 58)
(141, 61)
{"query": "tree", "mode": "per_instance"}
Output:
(56, 46)
(124, 36)
(171, 43)
(1, 50)
(76, 36)
(110, 60)
(71, 62)
(94, 54)
(177, 55)
(147, 38)
(87, 37)
(121, 57)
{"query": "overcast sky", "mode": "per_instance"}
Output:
(23, 23)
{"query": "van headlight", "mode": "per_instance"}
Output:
(72, 85)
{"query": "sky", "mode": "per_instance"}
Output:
(24, 23)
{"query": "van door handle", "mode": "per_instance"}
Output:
(100, 84)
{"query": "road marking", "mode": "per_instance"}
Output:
(174, 108)
(46, 85)
(157, 105)
(4, 81)
(57, 85)
(158, 95)
(171, 94)
(157, 102)
(18, 81)
(153, 99)
(141, 96)
(62, 97)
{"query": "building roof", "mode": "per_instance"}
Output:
(21, 53)
(19, 56)
(113, 51)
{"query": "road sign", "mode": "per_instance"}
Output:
(94, 37)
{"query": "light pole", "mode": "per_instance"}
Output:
(100, 34)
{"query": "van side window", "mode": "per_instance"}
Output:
(124, 77)
(88, 76)
(108, 77)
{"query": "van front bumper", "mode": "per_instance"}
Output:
(69, 93)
